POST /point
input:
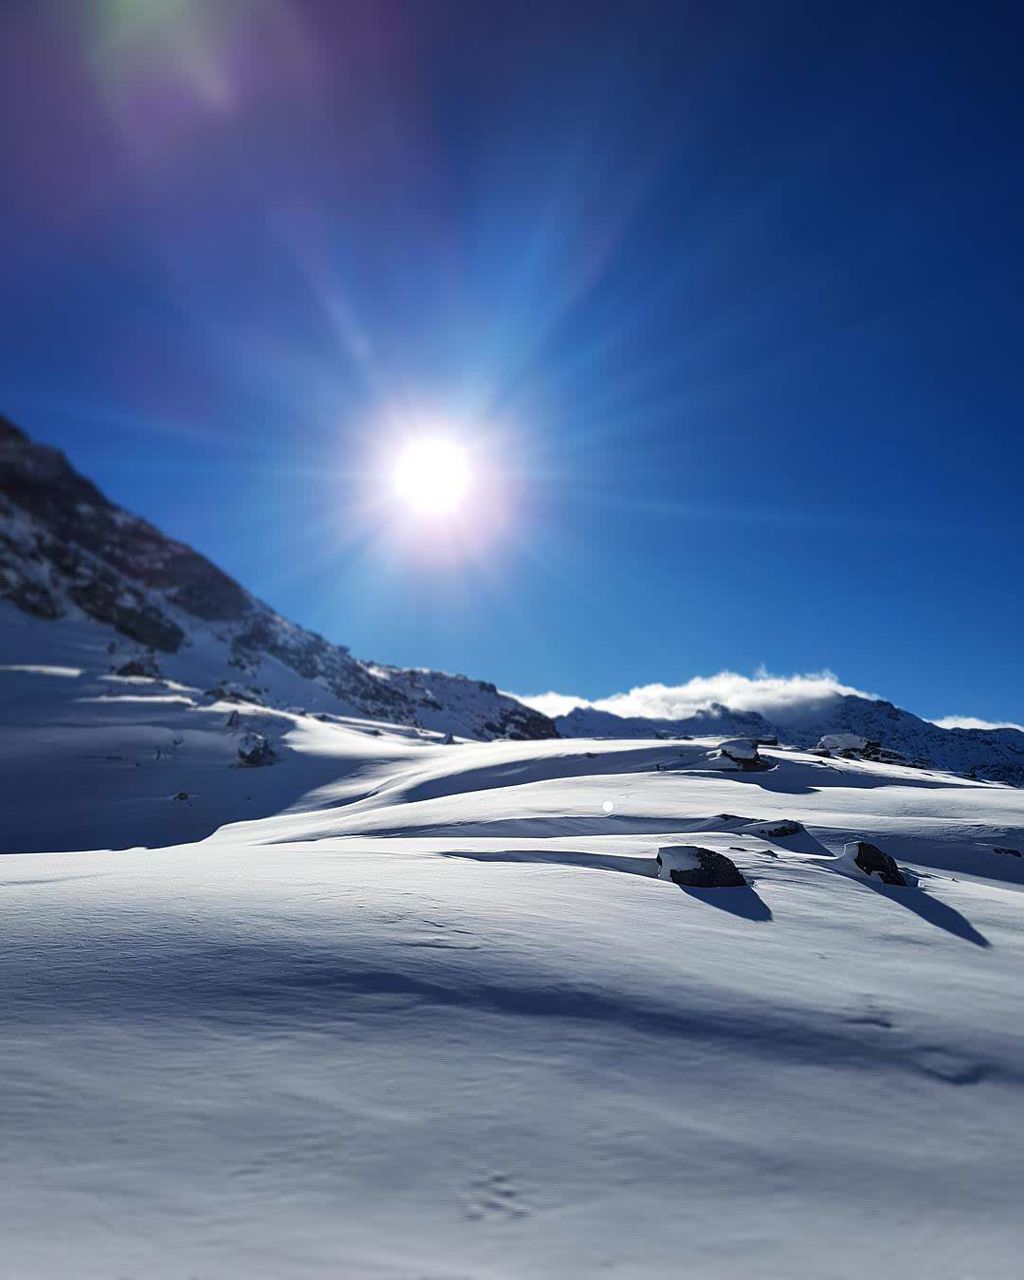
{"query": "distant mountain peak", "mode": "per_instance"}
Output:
(996, 754)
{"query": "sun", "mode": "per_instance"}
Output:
(432, 476)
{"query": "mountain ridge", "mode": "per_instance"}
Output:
(994, 754)
(65, 548)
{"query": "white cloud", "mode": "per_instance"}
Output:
(552, 704)
(778, 698)
(973, 722)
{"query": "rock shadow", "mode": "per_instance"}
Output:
(745, 903)
(633, 866)
(934, 911)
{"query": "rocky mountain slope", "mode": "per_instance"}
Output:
(67, 551)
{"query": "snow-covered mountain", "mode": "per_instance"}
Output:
(67, 552)
(997, 754)
(594, 722)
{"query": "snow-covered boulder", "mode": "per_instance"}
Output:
(864, 858)
(697, 868)
(737, 755)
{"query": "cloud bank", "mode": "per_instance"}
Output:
(973, 722)
(778, 698)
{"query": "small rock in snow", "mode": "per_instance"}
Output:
(776, 830)
(255, 751)
(871, 861)
(139, 667)
(692, 867)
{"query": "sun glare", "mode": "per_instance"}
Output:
(432, 476)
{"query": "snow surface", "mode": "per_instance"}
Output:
(400, 1009)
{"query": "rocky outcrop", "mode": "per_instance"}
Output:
(96, 544)
(143, 664)
(783, 830)
(255, 751)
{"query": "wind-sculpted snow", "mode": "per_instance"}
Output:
(391, 1007)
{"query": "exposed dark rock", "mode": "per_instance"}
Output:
(781, 829)
(712, 871)
(42, 481)
(33, 598)
(144, 665)
(234, 693)
(1010, 853)
(873, 862)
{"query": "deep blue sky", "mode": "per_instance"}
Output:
(738, 287)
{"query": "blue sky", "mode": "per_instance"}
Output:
(728, 295)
